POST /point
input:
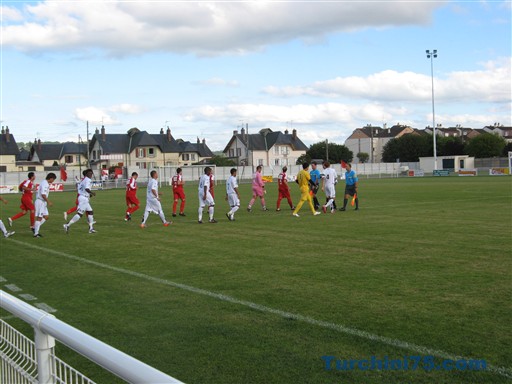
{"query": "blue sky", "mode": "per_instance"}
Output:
(205, 68)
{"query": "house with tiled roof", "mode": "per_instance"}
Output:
(67, 154)
(8, 151)
(372, 139)
(501, 130)
(140, 149)
(267, 148)
(191, 153)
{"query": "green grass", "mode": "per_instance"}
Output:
(425, 261)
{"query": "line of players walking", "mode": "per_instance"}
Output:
(309, 183)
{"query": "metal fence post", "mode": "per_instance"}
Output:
(44, 350)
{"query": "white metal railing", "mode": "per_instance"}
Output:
(35, 362)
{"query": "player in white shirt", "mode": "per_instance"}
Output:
(205, 197)
(42, 203)
(232, 195)
(329, 186)
(2, 226)
(84, 206)
(153, 201)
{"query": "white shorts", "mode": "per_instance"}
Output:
(41, 208)
(83, 205)
(153, 205)
(209, 200)
(330, 191)
(233, 200)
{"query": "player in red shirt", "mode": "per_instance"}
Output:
(132, 202)
(27, 204)
(284, 190)
(74, 208)
(179, 193)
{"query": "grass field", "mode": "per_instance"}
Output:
(423, 268)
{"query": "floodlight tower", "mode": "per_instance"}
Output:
(431, 56)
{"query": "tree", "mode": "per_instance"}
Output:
(407, 148)
(485, 145)
(507, 149)
(221, 161)
(303, 159)
(363, 157)
(449, 146)
(337, 152)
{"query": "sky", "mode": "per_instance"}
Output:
(207, 68)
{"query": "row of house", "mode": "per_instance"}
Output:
(143, 150)
(140, 149)
(372, 139)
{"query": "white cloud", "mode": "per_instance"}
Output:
(303, 114)
(95, 116)
(491, 84)
(203, 28)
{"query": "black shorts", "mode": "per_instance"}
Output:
(350, 190)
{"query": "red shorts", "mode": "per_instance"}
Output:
(26, 203)
(179, 194)
(132, 199)
(284, 194)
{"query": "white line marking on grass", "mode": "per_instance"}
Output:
(503, 371)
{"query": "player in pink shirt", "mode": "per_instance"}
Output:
(258, 189)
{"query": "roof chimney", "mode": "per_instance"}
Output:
(103, 132)
(204, 141)
(294, 134)
(242, 132)
(7, 135)
(286, 132)
(3, 130)
(39, 144)
(97, 131)
(169, 134)
(161, 131)
(235, 132)
(198, 141)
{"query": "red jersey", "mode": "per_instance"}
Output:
(282, 181)
(27, 184)
(211, 184)
(131, 186)
(176, 182)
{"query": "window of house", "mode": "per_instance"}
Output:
(239, 151)
(284, 150)
(3, 168)
(231, 153)
(77, 158)
(260, 161)
(193, 157)
(31, 169)
(185, 157)
(276, 161)
(141, 165)
(276, 150)
(141, 152)
(151, 152)
(68, 159)
(94, 155)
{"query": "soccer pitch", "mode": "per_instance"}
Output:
(422, 272)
